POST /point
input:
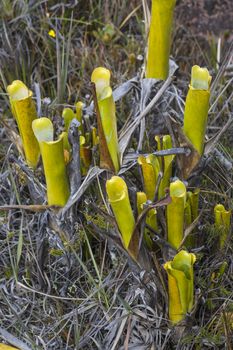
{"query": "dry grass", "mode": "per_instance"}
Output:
(62, 284)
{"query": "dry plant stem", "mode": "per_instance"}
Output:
(93, 173)
(13, 340)
(34, 208)
(129, 130)
(160, 39)
(24, 111)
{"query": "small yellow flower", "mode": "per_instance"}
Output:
(52, 33)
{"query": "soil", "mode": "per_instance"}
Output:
(203, 17)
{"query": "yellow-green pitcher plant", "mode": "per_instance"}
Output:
(85, 138)
(66, 146)
(24, 111)
(196, 107)
(52, 153)
(107, 125)
(94, 136)
(175, 213)
(222, 222)
(7, 347)
(191, 212)
(164, 142)
(159, 41)
(118, 197)
(150, 171)
(191, 206)
(85, 154)
(180, 285)
(68, 115)
(193, 198)
(79, 114)
(151, 218)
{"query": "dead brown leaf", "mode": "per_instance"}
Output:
(186, 162)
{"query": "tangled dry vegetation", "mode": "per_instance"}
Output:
(65, 282)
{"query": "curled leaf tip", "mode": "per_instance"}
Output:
(141, 196)
(116, 188)
(141, 199)
(79, 110)
(43, 129)
(141, 160)
(183, 261)
(101, 77)
(18, 90)
(67, 112)
(167, 142)
(200, 78)
(167, 265)
(68, 115)
(219, 207)
(79, 105)
(177, 189)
